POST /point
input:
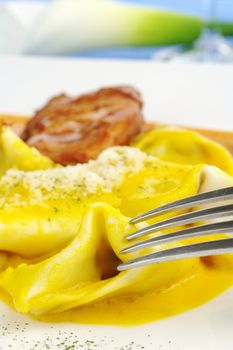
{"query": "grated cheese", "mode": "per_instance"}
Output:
(103, 175)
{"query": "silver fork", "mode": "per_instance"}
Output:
(216, 247)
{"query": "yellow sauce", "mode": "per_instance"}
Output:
(152, 306)
(213, 277)
(35, 286)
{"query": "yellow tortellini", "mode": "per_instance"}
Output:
(184, 147)
(14, 153)
(62, 228)
(75, 276)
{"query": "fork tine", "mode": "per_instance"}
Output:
(197, 231)
(195, 250)
(188, 218)
(203, 198)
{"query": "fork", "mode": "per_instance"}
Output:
(216, 247)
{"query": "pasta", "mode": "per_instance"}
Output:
(62, 228)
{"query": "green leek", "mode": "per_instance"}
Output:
(70, 26)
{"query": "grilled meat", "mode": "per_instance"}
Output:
(74, 130)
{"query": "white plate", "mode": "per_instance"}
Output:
(198, 95)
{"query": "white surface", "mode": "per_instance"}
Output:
(194, 95)
(199, 95)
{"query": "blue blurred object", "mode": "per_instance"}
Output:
(124, 52)
(190, 6)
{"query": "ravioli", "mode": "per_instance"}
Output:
(182, 146)
(62, 230)
(16, 154)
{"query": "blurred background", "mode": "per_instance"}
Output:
(163, 30)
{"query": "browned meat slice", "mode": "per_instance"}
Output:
(75, 130)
